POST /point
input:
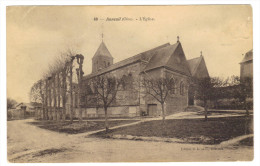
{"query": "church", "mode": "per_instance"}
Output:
(131, 101)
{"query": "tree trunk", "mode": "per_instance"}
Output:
(42, 98)
(78, 96)
(54, 97)
(163, 113)
(106, 119)
(71, 95)
(50, 100)
(246, 108)
(46, 116)
(206, 110)
(64, 89)
(59, 110)
(80, 73)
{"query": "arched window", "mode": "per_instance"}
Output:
(181, 88)
(127, 83)
(108, 64)
(172, 87)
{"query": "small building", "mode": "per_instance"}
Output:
(23, 110)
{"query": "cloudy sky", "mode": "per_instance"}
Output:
(36, 35)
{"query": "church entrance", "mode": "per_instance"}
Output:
(152, 109)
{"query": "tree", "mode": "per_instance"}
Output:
(245, 91)
(37, 95)
(159, 89)
(219, 90)
(10, 103)
(203, 91)
(70, 66)
(105, 89)
(80, 73)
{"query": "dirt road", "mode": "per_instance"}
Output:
(27, 143)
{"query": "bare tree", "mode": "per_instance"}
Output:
(245, 91)
(59, 94)
(46, 115)
(71, 86)
(204, 91)
(37, 95)
(80, 73)
(159, 89)
(106, 88)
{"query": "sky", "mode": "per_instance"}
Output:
(38, 34)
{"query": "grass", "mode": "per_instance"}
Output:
(213, 131)
(76, 127)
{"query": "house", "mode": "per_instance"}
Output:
(167, 59)
(246, 66)
(23, 110)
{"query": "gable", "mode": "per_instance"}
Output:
(178, 62)
(193, 64)
(160, 57)
(201, 71)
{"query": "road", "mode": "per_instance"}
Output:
(28, 143)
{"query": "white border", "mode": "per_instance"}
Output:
(3, 4)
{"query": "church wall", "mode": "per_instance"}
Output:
(113, 112)
(127, 99)
(177, 102)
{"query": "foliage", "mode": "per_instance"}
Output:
(10, 103)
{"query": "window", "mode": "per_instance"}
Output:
(127, 83)
(108, 64)
(181, 88)
(172, 87)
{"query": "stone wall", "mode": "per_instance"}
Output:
(118, 111)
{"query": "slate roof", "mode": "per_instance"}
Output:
(194, 64)
(102, 51)
(161, 57)
(248, 56)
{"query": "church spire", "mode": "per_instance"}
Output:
(102, 58)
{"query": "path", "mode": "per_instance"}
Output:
(26, 141)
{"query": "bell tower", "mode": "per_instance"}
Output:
(102, 58)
